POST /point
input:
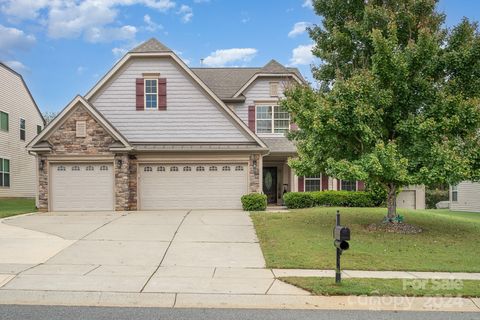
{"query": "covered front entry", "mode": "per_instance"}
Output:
(192, 185)
(81, 186)
(277, 178)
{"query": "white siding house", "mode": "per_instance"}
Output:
(465, 197)
(20, 120)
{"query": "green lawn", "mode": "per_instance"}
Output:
(13, 206)
(303, 239)
(387, 287)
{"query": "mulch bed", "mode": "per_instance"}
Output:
(394, 227)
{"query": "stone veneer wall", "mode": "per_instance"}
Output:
(254, 174)
(97, 142)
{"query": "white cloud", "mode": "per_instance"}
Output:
(186, 12)
(201, 1)
(91, 19)
(151, 25)
(118, 52)
(16, 65)
(302, 55)
(298, 28)
(225, 56)
(307, 4)
(13, 40)
(80, 70)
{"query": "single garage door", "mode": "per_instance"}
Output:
(192, 186)
(82, 186)
(406, 199)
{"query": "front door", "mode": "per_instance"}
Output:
(270, 183)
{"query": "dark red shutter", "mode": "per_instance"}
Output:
(339, 184)
(361, 186)
(301, 186)
(162, 94)
(324, 182)
(251, 118)
(139, 87)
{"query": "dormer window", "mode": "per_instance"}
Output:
(151, 94)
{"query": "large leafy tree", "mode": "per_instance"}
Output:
(398, 96)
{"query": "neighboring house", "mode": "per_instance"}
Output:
(20, 122)
(465, 197)
(154, 134)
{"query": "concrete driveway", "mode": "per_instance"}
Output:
(197, 251)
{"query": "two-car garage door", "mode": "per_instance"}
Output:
(90, 186)
(200, 185)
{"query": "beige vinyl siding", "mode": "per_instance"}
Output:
(468, 197)
(259, 91)
(191, 116)
(15, 100)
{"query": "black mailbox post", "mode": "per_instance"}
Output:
(341, 236)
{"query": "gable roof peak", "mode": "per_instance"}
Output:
(273, 66)
(151, 45)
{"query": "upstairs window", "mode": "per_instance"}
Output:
(22, 129)
(272, 119)
(151, 94)
(313, 183)
(3, 121)
(349, 185)
(4, 173)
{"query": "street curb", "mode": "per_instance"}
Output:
(181, 300)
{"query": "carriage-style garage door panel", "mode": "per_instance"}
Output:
(82, 186)
(184, 186)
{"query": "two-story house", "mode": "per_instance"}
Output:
(20, 122)
(154, 133)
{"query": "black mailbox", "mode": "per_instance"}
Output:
(341, 233)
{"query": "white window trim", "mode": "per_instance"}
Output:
(272, 105)
(20, 127)
(8, 122)
(145, 78)
(305, 178)
(9, 172)
(452, 191)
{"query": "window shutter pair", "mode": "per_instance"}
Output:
(140, 94)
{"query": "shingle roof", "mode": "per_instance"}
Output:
(225, 82)
(151, 45)
(279, 145)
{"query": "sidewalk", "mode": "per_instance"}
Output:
(376, 274)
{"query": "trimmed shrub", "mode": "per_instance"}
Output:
(432, 197)
(254, 202)
(298, 200)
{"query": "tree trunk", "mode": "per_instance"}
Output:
(392, 201)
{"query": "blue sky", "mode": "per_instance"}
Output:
(62, 47)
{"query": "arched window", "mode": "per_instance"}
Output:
(76, 168)
(174, 168)
(161, 168)
(226, 168)
(239, 168)
(61, 168)
(213, 168)
(104, 168)
(89, 168)
(187, 168)
(200, 168)
(147, 169)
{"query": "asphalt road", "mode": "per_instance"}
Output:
(16, 312)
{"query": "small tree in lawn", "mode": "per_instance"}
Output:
(398, 97)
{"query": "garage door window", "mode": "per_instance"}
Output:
(161, 169)
(146, 169)
(226, 168)
(174, 169)
(213, 168)
(238, 168)
(75, 168)
(89, 168)
(187, 168)
(200, 168)
(105, 168)
(61, 168)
